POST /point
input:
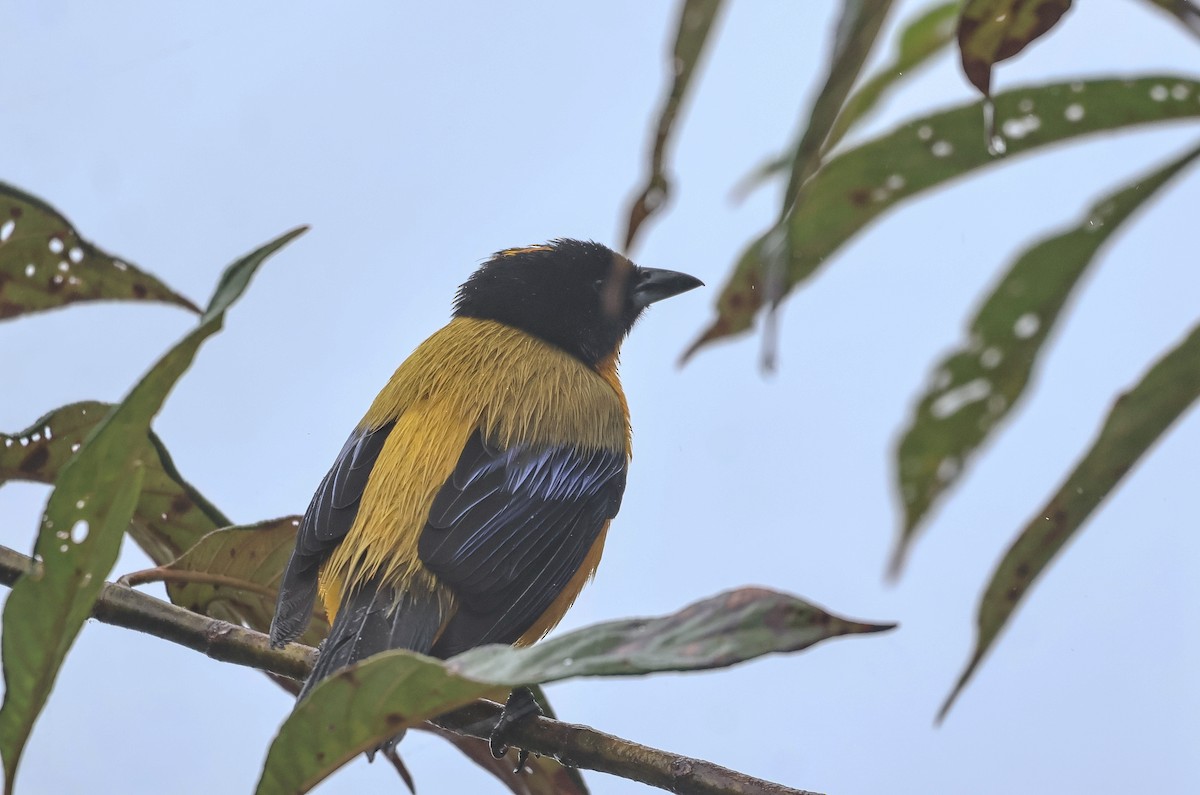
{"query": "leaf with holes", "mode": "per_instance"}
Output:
(237, 568)
(45, 264)
(990, 31)
(861, 184)
(920, 40)
(170, 517)
(361, 706)
(696, 20)
(1137, 419)
(85, 519)
(975, 388)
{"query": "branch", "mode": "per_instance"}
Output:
(571, 744)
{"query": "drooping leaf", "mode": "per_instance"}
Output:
(85, 519)
(975, 387)
(1137, 419)
(990, 31)
(920, 40)
(45, 263)
(170, 516)
(238, 569)
(857, 186)
(361, 706)
(696, 20)
(1187, 12)
(857, 28)
(929, 34)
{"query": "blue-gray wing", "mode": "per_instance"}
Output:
(510, 528)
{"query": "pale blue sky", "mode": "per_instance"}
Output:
(418, 138)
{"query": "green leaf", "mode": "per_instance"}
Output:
(990, 31)
(170, 517)
(925, 37)
(85, 519)
(1187, 12)
(974, 388)
(695, 23)
(920, 40)
(361, 706)
(857, 29)
(1136, 421)
(45, 264)
(859, 185)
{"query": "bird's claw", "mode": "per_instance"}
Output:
(520, 705)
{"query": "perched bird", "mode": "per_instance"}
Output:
(470, 504)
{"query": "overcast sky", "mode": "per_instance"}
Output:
(418, 138)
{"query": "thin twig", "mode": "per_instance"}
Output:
(166, 574)
(570, 744)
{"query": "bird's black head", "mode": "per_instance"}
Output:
(580, 296)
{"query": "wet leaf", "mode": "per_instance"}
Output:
(857, 28)
(857, 186)
(85, 519)
(238, 569)
(45, 264)
(695, 23)
(1187, 12)
(170, 517)
(361, 706)
(990, 31)
(975, 388)
(1136, 421)
(920, 40)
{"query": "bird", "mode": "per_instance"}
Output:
(471, 503)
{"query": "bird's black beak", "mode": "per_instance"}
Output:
(655, 284)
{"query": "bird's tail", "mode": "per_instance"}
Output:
(374, 618)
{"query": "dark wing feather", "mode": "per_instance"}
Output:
(325, 524)
(510, 528)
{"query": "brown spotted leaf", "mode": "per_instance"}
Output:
(976, 387)
(361, 706)
(857, 186)
(696, 20)
(990, 31)
(170, 517)
(236, 569)
(85, 519)
(1135, 422)
(45, 263)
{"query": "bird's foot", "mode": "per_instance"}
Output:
(520, 705)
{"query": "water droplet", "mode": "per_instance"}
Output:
(990, 358)
(79, 504)
(121, 266)
(75, 447)
(1027, 325)
(63, 548)
(30, 269)
(6, 230)
(1021, 126)
(947, 469)
(76, 254)
(1025, 105)
(1179, 91)
(1077, 87)
(1159, 93)
(879, 195)
(56, 245)
(568, 662)
(894, 182)
(924, 132)
(942, 149)
(954, 400)
(79, 532)
(64, 266)
(1074, 112)
(996, 145)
